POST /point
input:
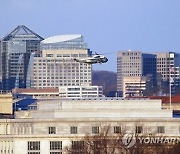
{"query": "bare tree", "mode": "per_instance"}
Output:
(109, 143)
(102, 143)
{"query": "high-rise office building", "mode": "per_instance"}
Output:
(168, 68)
(15, 51)
(159, 68)
(150, 71)
(56, 67)
(129, 63)
(165, 61)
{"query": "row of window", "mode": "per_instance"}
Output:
(127, 74)
(60, 69)
(74, 130)
(165, 59)
(57, 60)
(66, 55)
(54, 146)
(131, 53)
(52, 83)
(116, 129)
(61, 76)
(59, 63)
(65, 81)
(82, 93)
(152, 59)
(130, 63)
(65, 73)
(133, 72)
(84, 96)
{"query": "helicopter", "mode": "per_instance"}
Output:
(93, 60)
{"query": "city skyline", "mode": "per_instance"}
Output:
(54, 101)
(107, 26)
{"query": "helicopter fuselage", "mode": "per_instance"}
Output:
(93, 60)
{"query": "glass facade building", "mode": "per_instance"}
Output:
(15, 51)
(150, 70)
(64, 42)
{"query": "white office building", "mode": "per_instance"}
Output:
(56, 67)
(80, 91)
(134, 86)
(62, 92)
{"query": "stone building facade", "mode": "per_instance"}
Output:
(63, 122)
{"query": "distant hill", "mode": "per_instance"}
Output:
(106, 79)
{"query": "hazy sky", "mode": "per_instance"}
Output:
(107, 25)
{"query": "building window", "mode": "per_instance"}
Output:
(117, 129)
(73, 130)
(49, 55)
(139, 129)
(52, 130)
(55, 147)
(160, 129)
(95, 130)
(78, 147)
(34, 147)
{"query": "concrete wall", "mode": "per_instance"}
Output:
(6, 103)
(96, 108)
(17, 141)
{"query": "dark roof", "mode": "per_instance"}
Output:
(21, 30)
(23, 104)
(6, 116)
(166, 99)
(34, 90)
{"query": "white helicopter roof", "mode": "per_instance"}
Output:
(61, 38)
